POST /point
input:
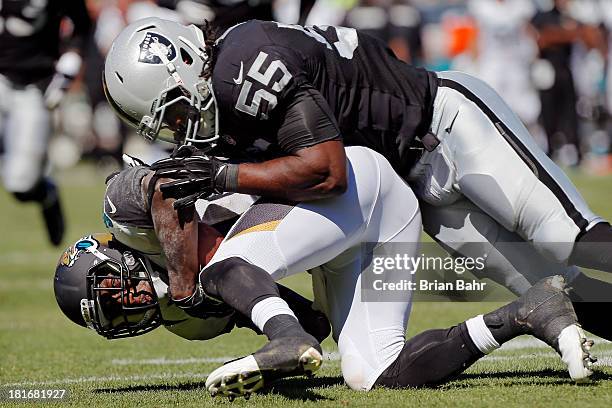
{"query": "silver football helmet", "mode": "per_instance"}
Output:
(152, 79)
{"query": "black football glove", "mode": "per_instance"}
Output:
(202, 306)
(196, 175)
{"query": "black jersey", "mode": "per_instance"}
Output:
(291, 87)
(30, 36)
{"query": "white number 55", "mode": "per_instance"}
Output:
(264, 78)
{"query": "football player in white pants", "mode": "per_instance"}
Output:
(33, 78)
(486, 155)
(274, 239)
(487, 181)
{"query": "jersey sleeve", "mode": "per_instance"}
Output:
(306, 121)
(124, 201)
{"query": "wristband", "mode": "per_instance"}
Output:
(226, 178)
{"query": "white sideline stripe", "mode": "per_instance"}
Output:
(516, 344)
(605, 359)
(80, 380)
(327, 356)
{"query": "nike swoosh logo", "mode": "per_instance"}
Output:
(113, 209)
(238, 80)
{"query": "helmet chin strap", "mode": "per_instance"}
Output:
(87, 311)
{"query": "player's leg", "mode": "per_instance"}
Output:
(544, 311)
(280, 239)
(370, 327)
(465, 230)
(285, 239)
(27, 134)
(273, 240)
(499, 167)
(370, 334)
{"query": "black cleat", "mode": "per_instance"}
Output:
(280, 358)
(52, 214)
(546, 312)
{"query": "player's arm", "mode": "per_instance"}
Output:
(69, 63)
(314, 165)
(188, 244)
(177, 233)
(311, 173)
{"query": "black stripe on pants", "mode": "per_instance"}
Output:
(522, 151)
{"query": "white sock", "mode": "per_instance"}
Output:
(267, 309)
(481, 335)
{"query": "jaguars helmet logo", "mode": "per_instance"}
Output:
(91, 241)
(154, 47)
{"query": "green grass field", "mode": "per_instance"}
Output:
(39, 348)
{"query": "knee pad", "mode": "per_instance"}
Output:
(355, 372)
(555, 240)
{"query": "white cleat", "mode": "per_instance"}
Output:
(236, 378)
(575, 352)
(243, 377)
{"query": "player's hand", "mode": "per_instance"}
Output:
(196, 175)
(66, 70)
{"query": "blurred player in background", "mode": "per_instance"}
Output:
(505, 51)
(225, 13)
(35, 72)
(108, 135)
(397, 23)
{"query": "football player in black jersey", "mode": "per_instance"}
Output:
(298, 95)
(35, 71)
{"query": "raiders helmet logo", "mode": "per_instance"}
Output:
(154, 48)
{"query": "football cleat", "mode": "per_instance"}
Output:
(53, 214)
(280, 358)
(546, 312)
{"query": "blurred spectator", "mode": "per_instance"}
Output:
(36, 69)
(329, 12)
(557, 31)
(460, 33)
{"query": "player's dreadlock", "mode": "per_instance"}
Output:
(210, 37)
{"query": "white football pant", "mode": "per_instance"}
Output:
(325, 236)
(25, 129)
(487, 156)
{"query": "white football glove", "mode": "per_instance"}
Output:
(66, 69)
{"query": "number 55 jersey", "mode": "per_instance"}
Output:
(290, 87)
